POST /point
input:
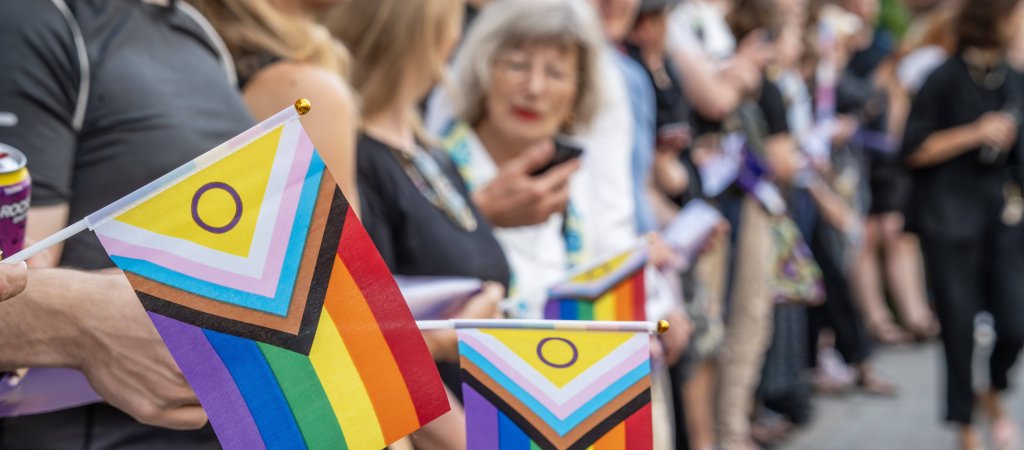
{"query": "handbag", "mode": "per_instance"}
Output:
(795, 275)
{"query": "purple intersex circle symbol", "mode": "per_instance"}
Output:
(540, 352)
(234, 196)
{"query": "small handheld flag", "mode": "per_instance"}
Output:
(556, 388)
(610, 289)
(271, 297)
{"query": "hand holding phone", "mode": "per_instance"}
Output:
(529, 188)
(564, 152)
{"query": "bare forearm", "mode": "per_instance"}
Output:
(833, 207)
(783, 157)
(944, 145)
(712, 95)
(38, 327)
(670, 175)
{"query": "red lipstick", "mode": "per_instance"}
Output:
(526, 114)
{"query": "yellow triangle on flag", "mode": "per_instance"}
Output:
(603, 270)
(216, 207)
(577, 351)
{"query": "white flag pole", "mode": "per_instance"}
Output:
(47, 242)
(660, 327)
(301, 106)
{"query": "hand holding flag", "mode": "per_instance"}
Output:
(271, 297)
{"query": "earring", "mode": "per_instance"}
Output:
(570, 121)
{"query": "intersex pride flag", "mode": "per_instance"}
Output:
(536, 388)
(610, 289)
(272, 299)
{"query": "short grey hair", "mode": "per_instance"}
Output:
(508, 24)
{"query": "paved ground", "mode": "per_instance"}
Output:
(910, 422)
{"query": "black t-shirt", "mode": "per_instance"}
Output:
(960, 198)
(412, 235)
(763, 117)
(773, 106)
(157, 96)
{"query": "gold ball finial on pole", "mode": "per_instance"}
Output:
(303, 106)
(662, 326)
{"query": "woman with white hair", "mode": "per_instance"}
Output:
(528, 78)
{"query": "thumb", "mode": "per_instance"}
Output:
(14, 278)
(533, 158)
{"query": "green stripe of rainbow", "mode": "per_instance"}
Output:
(624, 302)
(368, 380)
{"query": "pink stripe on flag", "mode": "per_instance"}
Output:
(576, 401)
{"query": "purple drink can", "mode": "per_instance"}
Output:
(15, 192)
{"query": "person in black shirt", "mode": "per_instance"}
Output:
(962, 143)
(416, 208)
(107, 96)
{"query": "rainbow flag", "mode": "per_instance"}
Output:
(611, 289)
(272, 299)
(527, 389)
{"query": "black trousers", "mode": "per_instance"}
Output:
(839, 312)
(966, 277)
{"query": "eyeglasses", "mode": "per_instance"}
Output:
(518, 67)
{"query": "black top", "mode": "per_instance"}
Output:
(412, 235)
(249, 63)
(157, 97)
(962, 197)
(773, 106)
(762, 118)
(670, 101)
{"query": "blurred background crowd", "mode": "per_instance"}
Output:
(863, 155)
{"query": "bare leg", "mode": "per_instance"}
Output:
(1005, 433)
(906, 278)
(867, 286)
(969, 438)
(698, 401)
(447, 432)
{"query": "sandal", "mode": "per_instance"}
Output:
(923, 333)
(827, 384)
(770, 429)
(873, 384)
(888, 333)
(973, 442)
(1005, 434)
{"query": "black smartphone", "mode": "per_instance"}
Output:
(564, 152)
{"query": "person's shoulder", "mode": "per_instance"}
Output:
(28, 13)
(283, 73)
(282, 82)
(33, 22)
(949, 68)
(286, 81)
(946, 75)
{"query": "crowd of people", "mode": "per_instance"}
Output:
(850, 163)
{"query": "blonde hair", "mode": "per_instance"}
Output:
(517, 23)
(254, 27)
(389, 38)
